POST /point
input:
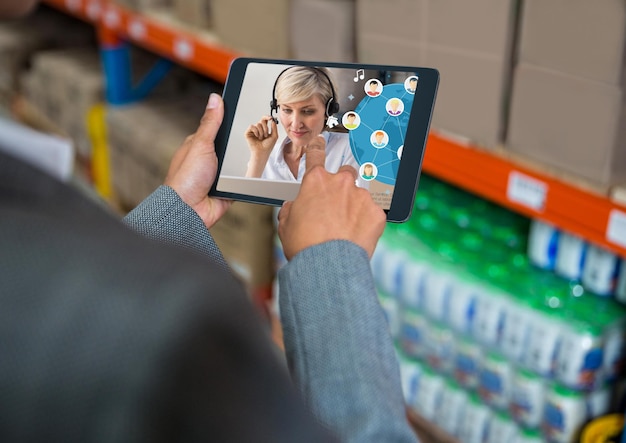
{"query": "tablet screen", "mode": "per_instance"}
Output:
(364, 113)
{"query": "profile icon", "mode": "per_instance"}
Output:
(410, 84)
(394, 106)
(368, 171)
(379, 139)
(351, 120)
(399, 152)
(373, 87)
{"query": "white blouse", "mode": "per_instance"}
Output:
(338, 153)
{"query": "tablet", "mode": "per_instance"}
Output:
(375, 118)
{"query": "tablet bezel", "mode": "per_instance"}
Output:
(417, 130)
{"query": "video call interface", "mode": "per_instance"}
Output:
(373, 116)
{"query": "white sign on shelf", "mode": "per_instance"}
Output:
(527, 191)
(73, 5)
(93, 10)
(616, 228)
(183, 49)
(137, 29)
(112, 17)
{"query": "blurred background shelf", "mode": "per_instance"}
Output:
(573, 204)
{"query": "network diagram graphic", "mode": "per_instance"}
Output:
(378, 127)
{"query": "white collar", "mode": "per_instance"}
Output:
(52, 154)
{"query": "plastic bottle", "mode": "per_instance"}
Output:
(528, 394)
(580, 354)
(600, 271)
(475, 422)
(491, 305)
(429, 392)
(570, 257)
(454, 400)
(439, 347)
(501, 428)
(410, 371)
(544, 331)
(542, 244)
(468, 359)
(413, 332)
(494, 380)
(565, 413)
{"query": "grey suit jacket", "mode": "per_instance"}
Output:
(108, 336)
(337, 341)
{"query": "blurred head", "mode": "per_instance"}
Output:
(351, 117)
(379, 136)
(10, 9)
(302, 93)
(368, 169)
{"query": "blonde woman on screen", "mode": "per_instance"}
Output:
(304, 98)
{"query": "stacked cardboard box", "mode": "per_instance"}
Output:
(323, 30)
(195, 12)
(470, 43)
(144, 5)
(568, 106)
(258, 28)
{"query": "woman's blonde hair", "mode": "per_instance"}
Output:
(303, 82)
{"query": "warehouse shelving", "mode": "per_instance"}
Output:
(528, 190)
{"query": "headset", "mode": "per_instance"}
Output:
(332, 106)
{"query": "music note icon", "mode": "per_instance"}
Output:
(360, 74)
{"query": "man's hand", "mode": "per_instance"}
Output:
(329, 207)
(193, 168)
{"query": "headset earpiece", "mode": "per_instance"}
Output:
(332, 107)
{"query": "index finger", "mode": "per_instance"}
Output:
(316, 153)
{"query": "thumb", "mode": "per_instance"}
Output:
(210, 121)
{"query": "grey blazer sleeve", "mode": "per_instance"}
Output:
(339, 348)
(163, 216)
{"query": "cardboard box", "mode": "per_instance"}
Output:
(195, 12)
(336, 19)
(144, 5)
(470, 43)
(258, 28)
(577, 37)
(472, 96)
(570, 124)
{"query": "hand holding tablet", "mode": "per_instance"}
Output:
(376, 123)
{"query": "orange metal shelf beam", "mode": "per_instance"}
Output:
(483, 173)
(184, 47)
(570, 208)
